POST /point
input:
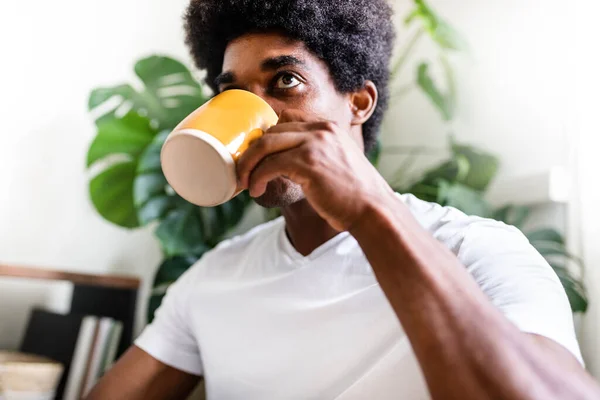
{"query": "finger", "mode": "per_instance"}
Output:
(295, 126)
(263, 147)
(293, 115)
(272, 167)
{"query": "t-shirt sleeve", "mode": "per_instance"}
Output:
(169, 338)
(519, 281)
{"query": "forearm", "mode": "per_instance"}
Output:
(466, 348)
(137, 375)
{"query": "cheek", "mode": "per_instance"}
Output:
(336, 108)
(322, 102)
(325, 103)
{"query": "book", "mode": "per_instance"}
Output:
(54, 336)
(81, 357)
(85, 345)
(111, 350)
(97, 355)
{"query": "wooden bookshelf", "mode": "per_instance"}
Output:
(112, 281)
(113, 296)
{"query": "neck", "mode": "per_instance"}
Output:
(305, 228)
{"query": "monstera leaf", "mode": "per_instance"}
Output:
(483, 166)
(128, 187)
(128, 121)
(114, 155)
(512, 215)
(462, 197)
(183, 229)
(167, 95)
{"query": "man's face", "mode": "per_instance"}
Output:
(287, 76)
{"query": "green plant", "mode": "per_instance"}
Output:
(551, 244)
(461, 180)
(129, 189)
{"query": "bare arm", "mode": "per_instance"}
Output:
(466, 348)
(139, 376)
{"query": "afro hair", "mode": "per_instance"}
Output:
(355, 38)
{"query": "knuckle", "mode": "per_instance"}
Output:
(286, 115)
(310, 156)
(328, 126)
(321, 135)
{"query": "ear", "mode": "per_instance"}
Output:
(363, 103)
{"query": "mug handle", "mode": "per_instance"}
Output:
(248, 140)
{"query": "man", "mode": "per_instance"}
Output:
(356, 292)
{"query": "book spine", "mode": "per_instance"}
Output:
(85, 339)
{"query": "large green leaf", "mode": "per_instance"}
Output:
(190, 230)
(483, 166)
(219, 220)
(468, 166)
(112, 194)
(545, 235)
(440, 31)
(168, 95)
(512, 215)
(550, 250)
(152, 194)
(183, 227)
(574, 288)
(128, 135)
(462, 197)
(449, 171)
(181, 231)
(115, 152)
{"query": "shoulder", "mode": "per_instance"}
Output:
(487, 248)
(507, 268)
(461, 232)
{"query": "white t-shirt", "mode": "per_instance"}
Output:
(260, 321)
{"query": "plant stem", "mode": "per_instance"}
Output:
(405, 53)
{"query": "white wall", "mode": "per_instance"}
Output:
(511, 83)
(53, 54)
(513, 87)
(584, 122)
(529, 93)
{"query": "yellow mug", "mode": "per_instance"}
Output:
(199, 157)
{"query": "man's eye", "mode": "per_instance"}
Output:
(287, 81)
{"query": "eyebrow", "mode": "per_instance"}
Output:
(269, 64)
(280, 61)
(225, 77)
